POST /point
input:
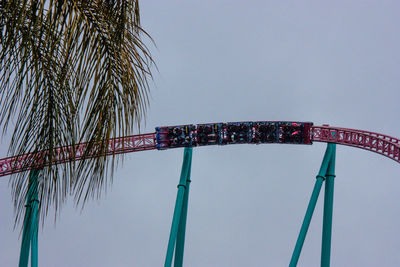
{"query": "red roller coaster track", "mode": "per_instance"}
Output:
(382, 144)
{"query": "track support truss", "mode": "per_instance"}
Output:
(385, 145)
(382, 144)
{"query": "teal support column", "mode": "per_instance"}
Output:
(30, 228)
(26, 240)
(180, 199)
(311, 206)
(180, 242)
(328, 210)
(34, 231)
(306, 222)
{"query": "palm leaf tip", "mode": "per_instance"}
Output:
(71, 71)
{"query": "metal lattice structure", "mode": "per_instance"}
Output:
(120, 145)
(382, 144)
(379, 143)
(190, 136)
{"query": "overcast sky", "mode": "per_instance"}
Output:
(329, 63)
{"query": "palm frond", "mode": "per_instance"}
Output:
(71, 71)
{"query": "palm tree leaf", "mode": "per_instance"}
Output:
(71, 71)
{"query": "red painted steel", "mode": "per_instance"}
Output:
(119, 145)
(382, 144)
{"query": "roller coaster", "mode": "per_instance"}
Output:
(190, 136)
(164, 138)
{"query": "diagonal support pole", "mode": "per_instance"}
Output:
(180, 242)
(311, 206)
(177, 234)
(328, 210)
(30, 228)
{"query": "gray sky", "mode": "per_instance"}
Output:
(219, 61)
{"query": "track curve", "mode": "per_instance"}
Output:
(385, 145)
(119, 145)
(379, 143)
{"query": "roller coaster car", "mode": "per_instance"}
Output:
(265, 132)
(295, 132)
(209, 134)
(175, 136)
(237, 133)
(233, 133)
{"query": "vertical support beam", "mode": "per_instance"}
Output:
(328, 210)
(311, 206)
(306, 222)
(180, 242)
(34, 229)
(185, 176)
(26, 241)
(30, 228)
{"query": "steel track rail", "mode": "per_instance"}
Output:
(379, 143)
(120, 145)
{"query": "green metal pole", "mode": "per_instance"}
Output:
(328, 210)
(311, 207)
(180, 241)
(30, 228)
(26, 241)
(174, 227)
(187, 157)
(34, 231)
